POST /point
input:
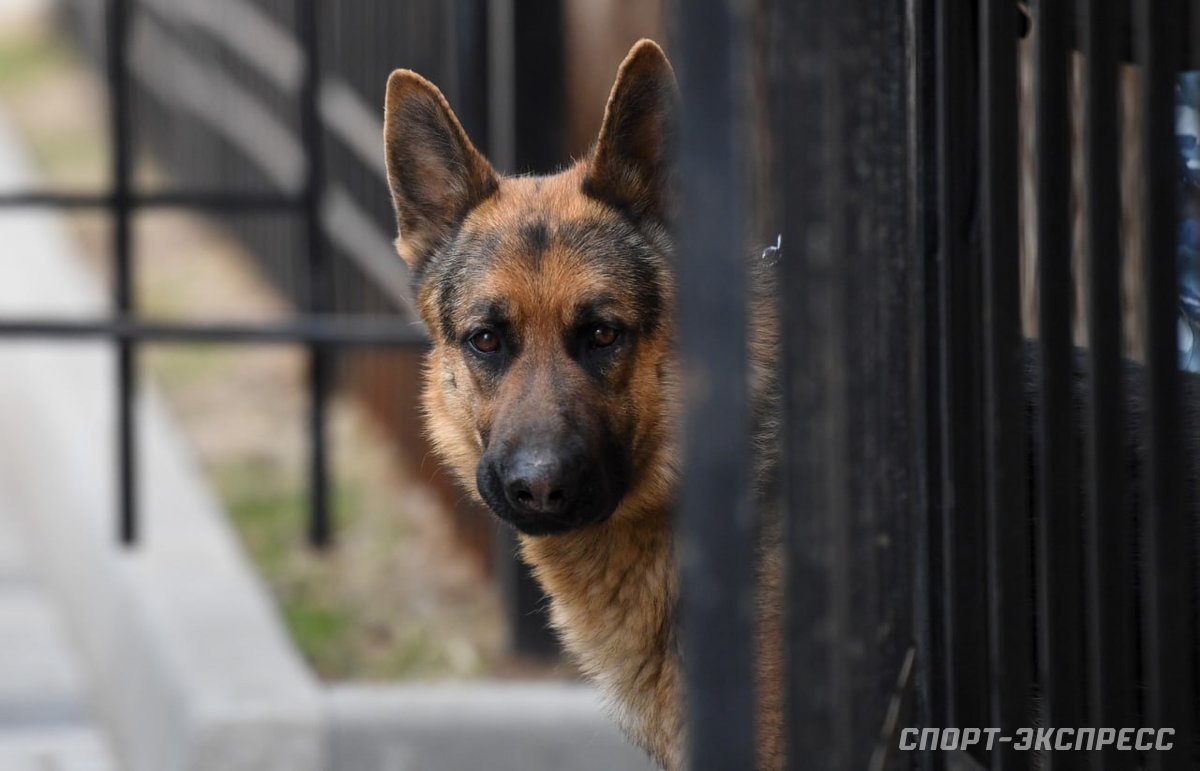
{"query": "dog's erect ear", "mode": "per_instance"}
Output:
(631, 165)
(435, 173)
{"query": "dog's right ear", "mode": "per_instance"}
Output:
(436, 175)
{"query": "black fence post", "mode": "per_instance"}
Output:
(121, 141)
(1168, 650)
(1059, 535)
(962, 627)
(844, 108)
(812, 287)
(1110, 571)
(716, 545)
(1009, 557)
(320, 277)
(925, 329)
(526, 130)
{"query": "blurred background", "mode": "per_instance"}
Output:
(416, 584)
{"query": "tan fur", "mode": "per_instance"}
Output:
(613, 585)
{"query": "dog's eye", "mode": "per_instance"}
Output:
(603, 336)
(486, 341)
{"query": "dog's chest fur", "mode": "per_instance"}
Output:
(613, 593)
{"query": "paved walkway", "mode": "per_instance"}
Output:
(44, 722)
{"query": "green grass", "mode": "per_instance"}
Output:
(25, 58)
(322, 633)
(181, 365)
(269, 509)
(35, 61)
(266, 507)
(66, 154)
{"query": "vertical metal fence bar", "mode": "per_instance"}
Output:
(838, 86)
(812, 294)
(925, 335)
(1008, 533)
(502, 84)
(1108, 536)
(1166, 529)
(964, 577)
(539, 69)
(469, 39)
(926, 346)
(716, 536)
(1059, 537)
(881, 364)
(120, 139)
(320, 278)
(538, 132)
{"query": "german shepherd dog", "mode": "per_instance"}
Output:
(552, 386)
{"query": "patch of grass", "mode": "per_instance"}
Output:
(25, 58)
(181, 365)
(269, 508)
(63, 152)
(322, 633)
(418, 652)
(38, 66)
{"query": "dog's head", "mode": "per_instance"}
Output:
(549, 300)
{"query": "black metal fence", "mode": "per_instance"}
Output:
(315, 329)
(984, 528)
(267, 114)
(985, 525)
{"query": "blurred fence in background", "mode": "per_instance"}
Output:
(216, 92)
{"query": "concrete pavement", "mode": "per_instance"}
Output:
(45, 723)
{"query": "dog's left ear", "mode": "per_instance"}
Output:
(631, 167)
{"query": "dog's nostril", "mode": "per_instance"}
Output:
(556, 496)
(524, 496)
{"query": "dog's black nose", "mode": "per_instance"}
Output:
(540, 483)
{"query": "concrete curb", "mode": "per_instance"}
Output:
(494, 726)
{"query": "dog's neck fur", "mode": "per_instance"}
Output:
(614, 590)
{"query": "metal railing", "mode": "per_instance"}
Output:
(315, 330)
(984, 527)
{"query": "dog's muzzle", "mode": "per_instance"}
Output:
(545, 489)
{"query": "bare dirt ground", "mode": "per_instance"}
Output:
(396, 598)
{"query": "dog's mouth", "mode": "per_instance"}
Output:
(596, 500)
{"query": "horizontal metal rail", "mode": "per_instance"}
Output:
(199, 199)
(325, 331)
